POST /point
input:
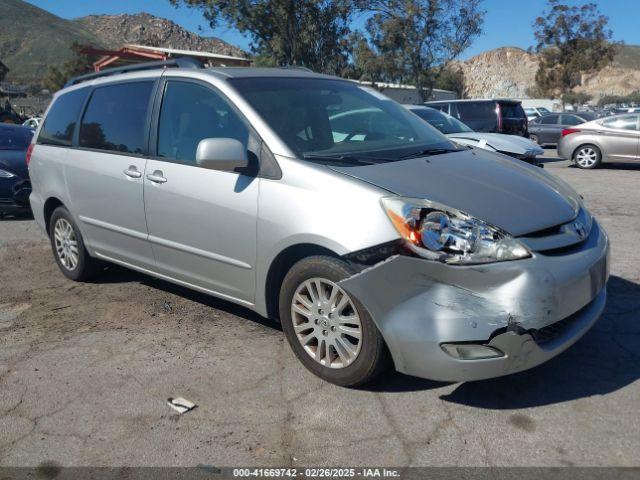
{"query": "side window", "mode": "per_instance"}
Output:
(549, 120)
(61, 120)
(626, 122)
(115, 119)
(571, 120)
(190, 113)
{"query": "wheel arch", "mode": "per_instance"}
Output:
(279, 267)
(49, 206)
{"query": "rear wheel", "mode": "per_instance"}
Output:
(68, 248)
(328, 329)
(587, 157)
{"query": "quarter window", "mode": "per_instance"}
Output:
(61, 120)
(116, 118)
(191, 113)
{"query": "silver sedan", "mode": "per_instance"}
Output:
(611, 139)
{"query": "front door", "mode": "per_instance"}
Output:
(104, 174)
(202, 223)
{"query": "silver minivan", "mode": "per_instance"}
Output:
(374, 242)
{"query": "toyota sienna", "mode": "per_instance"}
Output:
(373, 242)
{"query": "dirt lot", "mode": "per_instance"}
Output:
(85, 371)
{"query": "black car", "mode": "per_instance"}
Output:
(492, 116)
(547, 129)
(15, 186)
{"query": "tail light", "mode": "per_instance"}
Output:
(29, 152)
(569, 131)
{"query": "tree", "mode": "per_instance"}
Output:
(309, 33)
(576, 98)
(451, 78)
(417, 39)
(571, 40)
(56, 77)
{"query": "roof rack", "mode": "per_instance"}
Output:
(182, 62)
(297, 67)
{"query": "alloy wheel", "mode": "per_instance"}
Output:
(66, 244)
(326, 323)
(586, 157)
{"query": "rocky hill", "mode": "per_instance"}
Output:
(503, 72)
(510, 72)
(142, 28)
(31, 38)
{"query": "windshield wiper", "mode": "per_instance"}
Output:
(347, 158)
(428, 152)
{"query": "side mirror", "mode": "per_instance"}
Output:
(221, 154)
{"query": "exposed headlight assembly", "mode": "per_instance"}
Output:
(6, 174)
(445, 234)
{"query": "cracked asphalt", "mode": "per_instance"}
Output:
(86, 370)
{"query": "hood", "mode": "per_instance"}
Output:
(504, 192)
(501, 142)
(14, 161)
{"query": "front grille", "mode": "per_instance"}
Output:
(549, 333)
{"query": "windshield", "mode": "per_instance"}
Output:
(15, 138)
(543, 110)
(334, 118)
(443, 122)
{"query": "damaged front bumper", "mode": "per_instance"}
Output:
(527, 310)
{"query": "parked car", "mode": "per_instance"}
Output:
(546, 130)
(15, 187)
(517, 147)
(371, 241)
(610, 139)
(535, 112)
(493, 116)
(32, 122)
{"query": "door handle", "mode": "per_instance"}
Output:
(132, 172)
(157, 177)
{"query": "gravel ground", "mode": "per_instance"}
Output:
(86, 369)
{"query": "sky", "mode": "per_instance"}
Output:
(507, 22)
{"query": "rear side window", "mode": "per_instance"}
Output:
(627, 122)
(571, 120)
(512, 110)
(61, 120)
(549, 120)
(115, 119)
(480, 116)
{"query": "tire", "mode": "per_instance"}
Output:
(587, 157)
(75, 263)
(344, 360)
(534, 139)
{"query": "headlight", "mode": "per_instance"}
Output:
(445, 234)
(5, 174)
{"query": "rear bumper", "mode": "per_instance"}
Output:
(530, 310)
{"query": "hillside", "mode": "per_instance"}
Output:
(510, 72)
(145, 29)
(31, 38)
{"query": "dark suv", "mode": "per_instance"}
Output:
(497, 116)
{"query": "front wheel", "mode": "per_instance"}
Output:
(534, 139)
(587, 157)
(330, 332)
